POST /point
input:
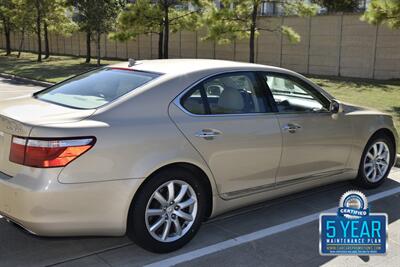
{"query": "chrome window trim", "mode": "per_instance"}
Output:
(177, 100)
(319, 91)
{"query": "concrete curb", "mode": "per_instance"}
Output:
(25, 80)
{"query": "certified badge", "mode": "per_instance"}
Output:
(353, 230)
(353, 205)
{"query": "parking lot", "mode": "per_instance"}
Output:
(280, 232)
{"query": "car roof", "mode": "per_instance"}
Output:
(182, 66)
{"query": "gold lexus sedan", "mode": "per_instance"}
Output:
(153, 148)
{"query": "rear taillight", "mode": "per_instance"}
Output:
(48, 153)
(17, 151)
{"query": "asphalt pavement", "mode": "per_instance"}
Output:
(10, 88)
(280, 232)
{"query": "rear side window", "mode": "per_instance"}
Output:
(96, 88)
(194, 103)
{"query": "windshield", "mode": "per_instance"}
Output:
(95, 88)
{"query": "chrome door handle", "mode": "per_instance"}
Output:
(291, 127)
(207, 133)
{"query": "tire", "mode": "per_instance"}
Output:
(367, 162)
(140, 223)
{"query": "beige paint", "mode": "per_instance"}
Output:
(245, 155)
(324, 143)
(252, 160)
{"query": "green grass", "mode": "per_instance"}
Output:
(381, 95)
(54, 69)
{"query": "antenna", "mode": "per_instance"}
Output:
(132, 62)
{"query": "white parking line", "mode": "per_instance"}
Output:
(185, 257)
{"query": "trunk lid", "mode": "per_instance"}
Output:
(19, 116)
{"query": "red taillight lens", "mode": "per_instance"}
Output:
(17, 151)
(48, 153)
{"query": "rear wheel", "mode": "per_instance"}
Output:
(168, 211)
(376, 162)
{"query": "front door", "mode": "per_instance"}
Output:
(228, 121)
(315, 141)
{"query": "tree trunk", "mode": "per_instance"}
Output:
(166, 29)
(8, 38)
(88, 48)
(253, 33)
(98, 48)
(21, 43)
(160, 42)
(38, 30)
(46, 41)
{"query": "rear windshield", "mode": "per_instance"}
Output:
(95, 88)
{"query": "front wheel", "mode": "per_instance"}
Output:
(376, 162)
(168, 211)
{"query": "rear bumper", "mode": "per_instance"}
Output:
(48, 208)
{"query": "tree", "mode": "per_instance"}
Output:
(158, 17)
(106, 12)
(238, 19)
(37, 7)
(84, 17)
(26, 16)
(383, 11)
(56, 19)
(48, 13)
(96, 17)
(23, 20)
(338, 5)
(6, 13)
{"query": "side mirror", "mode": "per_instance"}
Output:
(336, 106)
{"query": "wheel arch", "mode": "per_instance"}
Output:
(199, 173)
(362, 179)
(364, 133)
(385, 132)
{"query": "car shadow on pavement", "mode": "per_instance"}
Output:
(297, 246)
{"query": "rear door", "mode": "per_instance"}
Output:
(316, 142)
(227, 119)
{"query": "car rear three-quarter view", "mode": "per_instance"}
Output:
(152, 148)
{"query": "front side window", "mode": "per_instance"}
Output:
(292, 95)
(95, 88)
(233, 93)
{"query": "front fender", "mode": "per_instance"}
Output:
(365, 125)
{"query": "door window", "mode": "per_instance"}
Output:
(233, 93)
(194, 103)
(293, 95)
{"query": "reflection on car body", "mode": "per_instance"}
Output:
(152, 148)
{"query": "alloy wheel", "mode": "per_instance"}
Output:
(171, 211)
(376, 161)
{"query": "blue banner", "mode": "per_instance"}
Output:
(362, 236)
